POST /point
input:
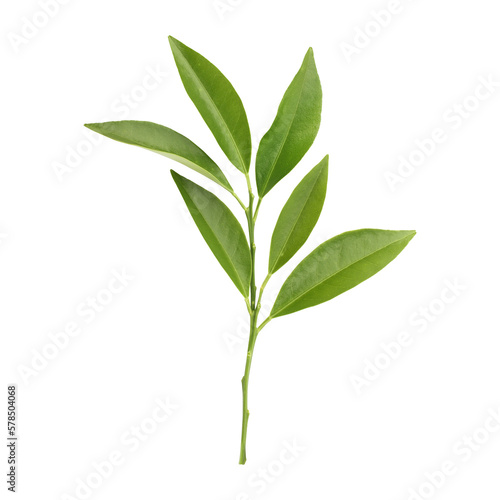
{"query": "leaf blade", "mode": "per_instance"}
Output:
(217, 101)
(220, 229)
(293, 130)
(338, 265)
(299, 216)
(164, 141)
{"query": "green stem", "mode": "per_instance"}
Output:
(262, 287)
(264, 323)
(244, 385)
(259, 201)
(237, 198)
(254, 312)
(269, 318)
(251, 234)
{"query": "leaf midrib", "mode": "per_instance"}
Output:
(140, 144)
(216, 108)
(296, 221)
(221, 245)
(289, 128)
(339, 271)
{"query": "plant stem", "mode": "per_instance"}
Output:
(251, 235)
(244, 384)
(237, 198)
(259, 201)
(262, 287)
(264, 323)
(254, 312)
(253, 307)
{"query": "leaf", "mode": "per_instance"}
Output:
(218, 103)
(299, 216)
(294, 128)
(164, 141)
(338, 265)
(220, 229)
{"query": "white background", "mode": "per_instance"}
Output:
(173, 331)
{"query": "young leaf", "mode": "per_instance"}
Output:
(338, 265)
(220, 229)
(299, 216)
(294, 128)
(218, 103)
(164, 141)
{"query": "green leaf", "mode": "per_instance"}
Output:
(294, 128)
(220, 229)
(338, 265)
(164, 141)
(299, 216)
(218, 103)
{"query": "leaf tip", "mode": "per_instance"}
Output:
(323, 164)
(310, 55)
(174, 43)
(410, 234)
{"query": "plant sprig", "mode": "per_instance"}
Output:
(334, 267)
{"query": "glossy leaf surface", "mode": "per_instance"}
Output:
(217, 101)
(220, 229)
(164, 141)
(294, 128)
(338, 265)
(299, 216)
